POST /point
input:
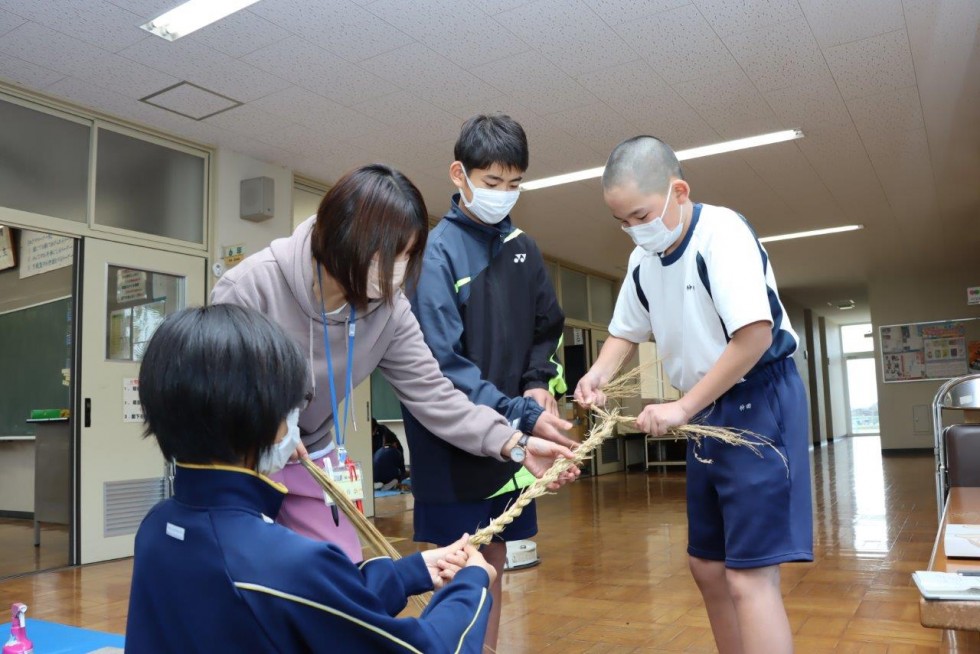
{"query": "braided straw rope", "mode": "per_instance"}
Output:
(624, 386)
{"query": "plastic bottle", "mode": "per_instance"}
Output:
(18, 643)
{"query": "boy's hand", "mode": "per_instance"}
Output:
(475, 558)
(657, 419)
(550, 428)
(444, 562)
(543, 397)
(300, 453)
(588, 393)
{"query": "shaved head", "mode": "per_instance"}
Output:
(644, 160)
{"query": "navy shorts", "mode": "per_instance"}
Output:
(443, 523)
(747, 511)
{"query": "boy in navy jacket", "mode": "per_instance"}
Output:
(221, 387)
(489, 313)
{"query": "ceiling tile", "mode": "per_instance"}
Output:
(492, 7)
(298, 105)
(725, 99)
(248, 121)
(205, 67)
(478, 38)
(911, 144)
(729, 181)
(616, 12)
(536, 82)
(99, 22)
(733, 16)
(778, 56)
(59, 52)
(596, 125)
(403, 108)
(147, 9)
(9, 21)
(896, 110)
(343, 28)
(319, 71)
(839, 158)
(433, 76)
(873, 65)
(239, 34)
(633, 79)
(679, 44)
(784, 168)
(817, 103)
(27, 74)
(835, 22)
(578, 43)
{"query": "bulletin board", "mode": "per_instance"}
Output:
(925, 351)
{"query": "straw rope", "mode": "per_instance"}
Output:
(624, 386)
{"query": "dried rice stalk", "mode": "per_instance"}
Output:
(365, 528)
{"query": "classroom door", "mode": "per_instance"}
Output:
(127, 291)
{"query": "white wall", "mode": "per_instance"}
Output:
(905, 299)
(230, 169)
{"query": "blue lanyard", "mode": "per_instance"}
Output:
(340, 434)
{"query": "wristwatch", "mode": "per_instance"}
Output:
(519, 452)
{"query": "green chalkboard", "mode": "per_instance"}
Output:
(384, 404)
(35, 345)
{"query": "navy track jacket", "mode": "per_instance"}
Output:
(214, 574)
(489, 313)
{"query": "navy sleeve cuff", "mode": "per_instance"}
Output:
(532, 411)
(414, 575)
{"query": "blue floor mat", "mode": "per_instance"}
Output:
(54, 638)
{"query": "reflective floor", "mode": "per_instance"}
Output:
(613, 575)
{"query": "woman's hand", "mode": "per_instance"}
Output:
(541, 455)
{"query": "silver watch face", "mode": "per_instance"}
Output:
(517, 454)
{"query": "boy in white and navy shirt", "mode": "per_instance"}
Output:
(699, 283)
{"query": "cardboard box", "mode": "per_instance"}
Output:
(962, 541)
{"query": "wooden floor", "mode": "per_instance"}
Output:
(18, 553)
(613, 576)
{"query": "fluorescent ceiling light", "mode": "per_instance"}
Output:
(812, 232)
(682, 155)
(192, 16)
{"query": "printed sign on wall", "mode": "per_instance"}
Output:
(41, 253)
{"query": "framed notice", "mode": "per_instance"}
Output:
(927, 350)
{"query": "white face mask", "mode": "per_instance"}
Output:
(488, 205)
(374, 278)
(274, 459)
(654, 237)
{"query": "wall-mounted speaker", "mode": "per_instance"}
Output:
(257, 199)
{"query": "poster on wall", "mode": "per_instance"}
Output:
(41, 253)
(973, 350)
(7, 258)
(923, 351)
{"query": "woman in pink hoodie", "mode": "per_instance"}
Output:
(337, 280)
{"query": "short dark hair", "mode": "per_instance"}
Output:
(645, 160)
(216, 383)
(371, 210)
(490, 139)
